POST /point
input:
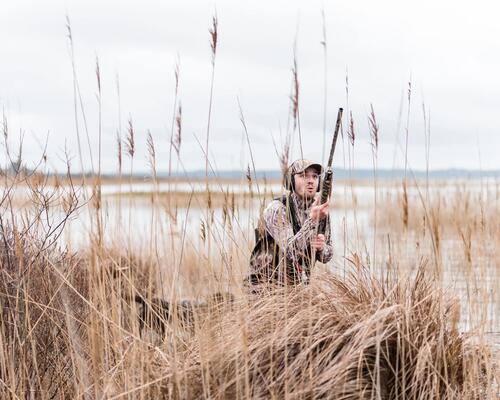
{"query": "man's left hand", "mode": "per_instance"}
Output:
(318, 242)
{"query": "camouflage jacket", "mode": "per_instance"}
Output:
(282, 253)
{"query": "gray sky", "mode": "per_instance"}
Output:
(449, 49)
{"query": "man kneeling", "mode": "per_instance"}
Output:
(287, 243)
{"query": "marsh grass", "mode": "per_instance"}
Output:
(391, 328)
(70, 330)
(360, 337)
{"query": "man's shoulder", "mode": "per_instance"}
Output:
(276, 204)
(275, 207)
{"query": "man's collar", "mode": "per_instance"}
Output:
(300, 203)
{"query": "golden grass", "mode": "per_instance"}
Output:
(409, 312)
(389, 330)
(339, 338)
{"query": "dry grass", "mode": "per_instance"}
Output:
(340, 338)
(392, 329)
(414, 323)
(69, 328)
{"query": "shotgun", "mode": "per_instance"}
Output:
(326, 186)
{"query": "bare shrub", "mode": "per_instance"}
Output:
(37, 312)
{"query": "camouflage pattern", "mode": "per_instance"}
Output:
(285, 259)
(297, 167)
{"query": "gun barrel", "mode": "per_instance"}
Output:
(335, 135)
(328, 175)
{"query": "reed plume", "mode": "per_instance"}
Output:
(213, 37)
(294, 98)
(130, 140)
(178, 134)
(174, 116)
(374, 129)
(119, 152)
(151, 154)
(213, 45)
(351, 132)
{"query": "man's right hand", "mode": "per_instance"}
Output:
(319, 211)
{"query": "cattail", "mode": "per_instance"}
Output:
(351, 133)
(130, 139)
(213, 37)
(373, 129)
(178, 135)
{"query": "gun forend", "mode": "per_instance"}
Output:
(327, 185)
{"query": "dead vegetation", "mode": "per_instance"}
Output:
(354, 338)
(69, 330)
(111, 321)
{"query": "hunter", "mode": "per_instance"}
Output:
(287, 243)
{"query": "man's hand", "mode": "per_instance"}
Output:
(319, 211)
(318, 242)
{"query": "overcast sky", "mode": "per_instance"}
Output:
(450, 50)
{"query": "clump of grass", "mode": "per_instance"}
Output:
(358, 338)
(65, 316)
(37, 309)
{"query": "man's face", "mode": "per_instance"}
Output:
(306, 183)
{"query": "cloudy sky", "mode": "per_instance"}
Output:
(449, 50)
